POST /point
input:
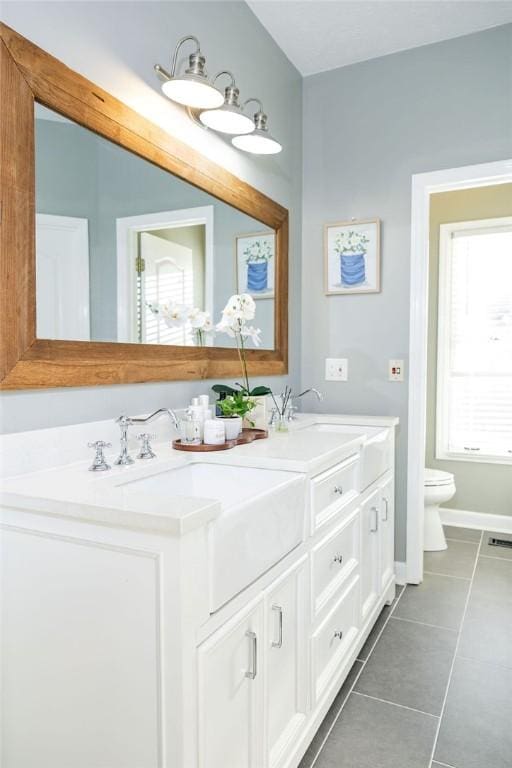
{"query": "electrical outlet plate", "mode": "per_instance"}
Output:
(336, 369)
(396, 370)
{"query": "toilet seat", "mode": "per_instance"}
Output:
(436, 477)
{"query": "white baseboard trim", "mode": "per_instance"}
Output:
(479, 520)
(400, 573)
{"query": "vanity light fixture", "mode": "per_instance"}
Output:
(259, 142)
(229, 118)
(209, 108)
(191, 88)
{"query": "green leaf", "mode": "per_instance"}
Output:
(260, 391)
(223, 388)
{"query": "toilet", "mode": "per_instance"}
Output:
(439, 488)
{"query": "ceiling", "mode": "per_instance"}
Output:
(317, 35)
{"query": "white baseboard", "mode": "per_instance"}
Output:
(479, 520)
(400, 572)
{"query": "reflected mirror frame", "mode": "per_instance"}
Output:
(29, 74)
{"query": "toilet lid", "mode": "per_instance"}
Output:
(437, 477)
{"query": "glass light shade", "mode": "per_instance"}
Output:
(227, 119)
(258, 143)
(193, 92)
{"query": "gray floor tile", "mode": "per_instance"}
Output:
(377, 627)
(493, 578)
(457, 560)
(462, 534)
(475, 729)
(437, 600)
(487, 632)
(330, 717)
(490, 551)
(372, 734)
(410, 665)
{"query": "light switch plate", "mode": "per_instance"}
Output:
(396, 370)
(336, 369)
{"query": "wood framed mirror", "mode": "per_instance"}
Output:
(105, 329)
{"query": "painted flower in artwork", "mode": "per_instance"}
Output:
(350, 241)
(258, 251)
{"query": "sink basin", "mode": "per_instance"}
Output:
(227, 484)
(376, 452)
(262, 518)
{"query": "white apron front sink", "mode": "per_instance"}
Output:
(262, 518)
(376, 452)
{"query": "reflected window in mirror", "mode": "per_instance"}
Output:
(128, 252)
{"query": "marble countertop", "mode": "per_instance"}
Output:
(70, 490)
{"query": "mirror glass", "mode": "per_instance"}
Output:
(128, 252)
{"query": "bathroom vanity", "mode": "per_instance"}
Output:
(189, 611)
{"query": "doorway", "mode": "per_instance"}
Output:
(423, 186)
(162, 256)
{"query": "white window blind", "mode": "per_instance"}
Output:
(474, 392)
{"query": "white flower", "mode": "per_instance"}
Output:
(197, 318)
(248, 331)
(175, 315)
(226, 326)
(239, 307)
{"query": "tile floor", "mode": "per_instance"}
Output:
(432, 687)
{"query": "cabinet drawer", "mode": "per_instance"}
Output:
(333, 560)
(334, 639)
(332, 490)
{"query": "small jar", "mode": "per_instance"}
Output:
(282, 423)
(190, 429)
(214, 432)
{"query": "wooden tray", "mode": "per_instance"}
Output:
(247, 436)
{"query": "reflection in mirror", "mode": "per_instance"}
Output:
(128, 252)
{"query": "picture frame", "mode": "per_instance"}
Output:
(352, 257)
(255, 256)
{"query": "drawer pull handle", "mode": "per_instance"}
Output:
(386, 510)
(338, 634)
(338, 559)
(253, 661)
(338, 489)
(374, 528)
(279, 642)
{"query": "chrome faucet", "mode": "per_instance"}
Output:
(287, 404)
(292, 408)
(318, 394)
(124, 422)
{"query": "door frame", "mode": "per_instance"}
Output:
(424, 185)
(127, 229)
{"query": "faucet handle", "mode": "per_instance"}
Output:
(99, 463)
(146, 452)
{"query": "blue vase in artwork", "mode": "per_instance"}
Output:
(352, 267)
(257, 276)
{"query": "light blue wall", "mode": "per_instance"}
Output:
(116, 44)
(367, 129)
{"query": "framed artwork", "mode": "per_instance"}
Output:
(352, 257)
(255, 264)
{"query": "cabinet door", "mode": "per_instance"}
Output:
(387, 534)
(370, 567)
(230, 693)
(286, 670)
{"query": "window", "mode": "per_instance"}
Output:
(474, 355)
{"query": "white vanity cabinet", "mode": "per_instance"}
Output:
(370, 554)
(101, 601)
(230, 693)
(253, 679)
(387, 533)
(285, 663)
